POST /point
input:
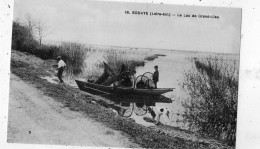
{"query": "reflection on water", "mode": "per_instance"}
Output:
(171, 68)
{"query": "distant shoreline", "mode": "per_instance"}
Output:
(135, 48)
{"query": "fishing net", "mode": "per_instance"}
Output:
(140, 109)
(145, 81)
(126, 109)
(110, 80)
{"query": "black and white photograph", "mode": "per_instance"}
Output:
(124, 74)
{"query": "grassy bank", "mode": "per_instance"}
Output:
(77, 101)
(212, 106)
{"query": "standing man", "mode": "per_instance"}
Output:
(61, 67)
(156, 76)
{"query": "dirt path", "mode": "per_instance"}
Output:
(38, 119)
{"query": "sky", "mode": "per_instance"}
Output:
(105, 23)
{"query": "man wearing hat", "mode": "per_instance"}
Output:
(156, 76)
(61, 66)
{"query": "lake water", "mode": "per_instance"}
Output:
(171, 69)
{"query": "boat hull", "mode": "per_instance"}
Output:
(101, 89)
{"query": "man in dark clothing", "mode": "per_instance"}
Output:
(126, 82)
(156, 76)
(123, 68)
(125, 77)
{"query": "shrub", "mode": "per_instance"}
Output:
(212, 106)
(45, 51)
(22, 38)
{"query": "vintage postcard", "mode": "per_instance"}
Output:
(124, 75)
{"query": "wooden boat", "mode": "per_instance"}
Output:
(101, 89)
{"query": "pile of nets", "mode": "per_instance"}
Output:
(145, 81)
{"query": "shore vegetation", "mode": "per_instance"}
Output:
(212, 107)
(72, 53)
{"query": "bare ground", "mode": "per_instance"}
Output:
(36, 118)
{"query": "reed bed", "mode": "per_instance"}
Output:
(74, 55)
(116, 59)
(153, 57)
(212, 107)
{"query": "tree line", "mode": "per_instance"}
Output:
(29, 30)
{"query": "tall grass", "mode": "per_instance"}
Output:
(212, 106)
(116, 59)
(74, 55)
